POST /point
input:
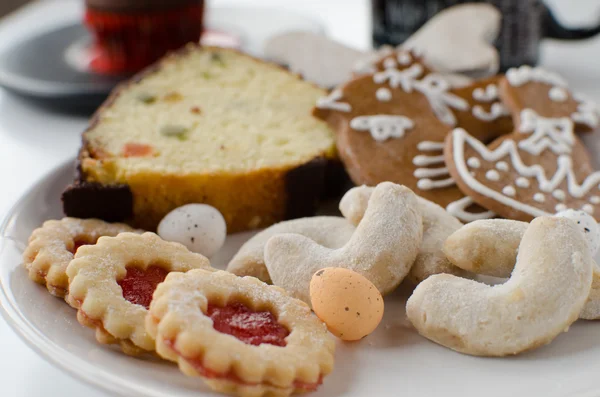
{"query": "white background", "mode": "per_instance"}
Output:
(33, 141)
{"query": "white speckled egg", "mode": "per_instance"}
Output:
(200, 227)
(588, 226)
(347, 302)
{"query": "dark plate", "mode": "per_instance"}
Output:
(50, 69)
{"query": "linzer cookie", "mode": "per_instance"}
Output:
(391, 126)
(539, 169)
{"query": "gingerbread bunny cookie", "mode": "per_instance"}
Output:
(487, 117)
(547, 94)
(391, 126)
(539, 169)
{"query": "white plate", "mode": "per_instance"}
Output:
(393, 361)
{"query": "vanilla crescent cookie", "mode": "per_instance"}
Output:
(383, 247)
(111, 284)
(52, 246)
(438, 224)
(328, 231)
(490, 247)
(240, 335)
(544, 296)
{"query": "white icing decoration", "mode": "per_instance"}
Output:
(429, 146)
(539, 197)
(433, 86)
(508, 147)
(383, 94)
(595, 200)
(472, 173)
(389, 63)
(424, 174)
(497, 110)
(458, 209)
(558, 94)
(382, 127)
(502, 165)
(428, 184)
(559, 195)
(492, 175)
(587, 112)
(522, 182)
(588, 208)
(526, 74)
(554, 134)
(331, 102)
(404, 58)
(400, 78)
(560, 207)
(474, 162)
(509, 191)
(423, 160)
(430, 172)
(488, 95)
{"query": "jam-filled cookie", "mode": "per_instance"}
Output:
(111, 284)
(52, 246)
(240, 335)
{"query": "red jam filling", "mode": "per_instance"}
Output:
(139, 284)
(231, 376)
(249, 326)
(137, 150)
(77, 244)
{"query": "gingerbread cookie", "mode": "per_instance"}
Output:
(391, 126)
(111, 284)
(540, 169)
(487, 117)
(544, 296)
(548, 95)
(383, 248)
(241, 336)
(52, 246)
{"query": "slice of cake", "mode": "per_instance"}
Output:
(204, 125)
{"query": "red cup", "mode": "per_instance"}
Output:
(129, 37)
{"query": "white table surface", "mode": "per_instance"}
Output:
(33, 140)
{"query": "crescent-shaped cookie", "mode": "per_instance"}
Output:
(438, 224)
(544, 296)
(383, 247)
(490, 247)
(328, 231)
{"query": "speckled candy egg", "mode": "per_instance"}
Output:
(200, 227)
(346, 301)
(588, 226)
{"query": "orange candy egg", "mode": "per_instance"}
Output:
(347, 302)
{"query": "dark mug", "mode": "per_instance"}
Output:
(524, 24)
